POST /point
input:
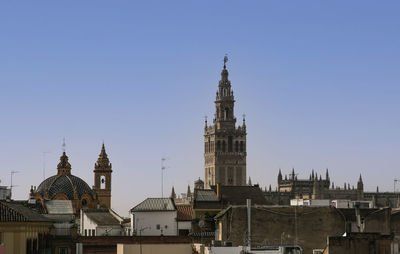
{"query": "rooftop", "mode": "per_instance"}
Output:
(101, 217)
(18, 212)
(155, 204)
(185, 212)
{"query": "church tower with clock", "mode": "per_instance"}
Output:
(224, 143)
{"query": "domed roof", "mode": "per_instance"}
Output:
(65, 184)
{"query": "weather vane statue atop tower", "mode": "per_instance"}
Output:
(225, 60)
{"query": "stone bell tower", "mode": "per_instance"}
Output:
(102, 179)
(224, 143)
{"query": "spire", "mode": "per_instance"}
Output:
(249, 181)
(293, 174)
(327, 175)
(312, 174)
(188, 192)
(173, 195)
(279, 176)
(64, 167)
(103, 163)
(360, 184)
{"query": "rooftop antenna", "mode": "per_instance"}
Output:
(162, 176)
(44, 164)
(394, 184)
(63, 145)
(11, 186)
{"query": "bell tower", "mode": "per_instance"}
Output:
(102, 179)
(224, 143)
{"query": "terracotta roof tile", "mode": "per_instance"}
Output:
(185, 212)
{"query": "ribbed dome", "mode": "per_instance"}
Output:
(65, 184)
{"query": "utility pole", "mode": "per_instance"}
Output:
(11, 186)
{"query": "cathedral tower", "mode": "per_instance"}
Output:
(102, 179)
(224, 143)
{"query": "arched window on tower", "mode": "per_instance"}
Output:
(230, 144)
(102, 182)
(241, 146)
(226, 113)
(236, 146)
(218, 145)
(223, 146)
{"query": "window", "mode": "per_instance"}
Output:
(223, 146)
(226, 113)
(93, 232)
(85, 232)
(236, 146)
(230, 144)
(84, 202)
(183, 232)
(241, 146)
(62, 250)
(230, 176)
(158, 227)
(218, 146)
(102, 182)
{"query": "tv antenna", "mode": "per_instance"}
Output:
(44, 164)
(11, 185)
(163, 167)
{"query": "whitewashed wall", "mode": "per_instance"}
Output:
(149, 221)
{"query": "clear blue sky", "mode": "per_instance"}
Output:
(318, 81)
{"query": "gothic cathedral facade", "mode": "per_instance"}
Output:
(224, 143)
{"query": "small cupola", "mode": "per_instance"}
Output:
(64, 167)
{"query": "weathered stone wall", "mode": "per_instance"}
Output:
(378, 221)
(307, 226)
(359, 244)
(283, 225)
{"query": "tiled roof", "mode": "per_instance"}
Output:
(155, 204)
(16, 211)
(65, 184)
(59, 207)
(185, 212)
(101, 217)
(205, 195)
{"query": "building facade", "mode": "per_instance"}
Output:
(224, 143)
